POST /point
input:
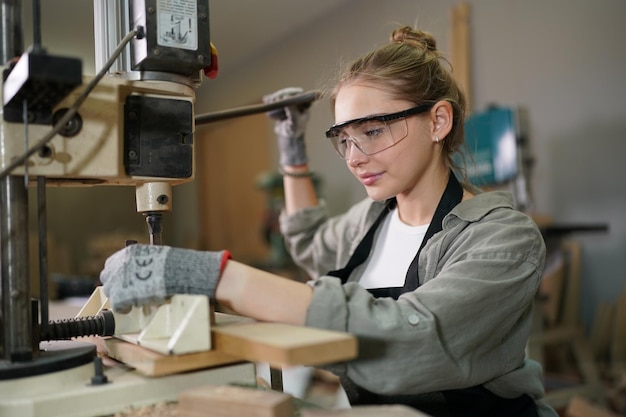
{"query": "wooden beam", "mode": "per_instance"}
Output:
(618, 345)
(460, 55)
(233, 401)
(284, 345)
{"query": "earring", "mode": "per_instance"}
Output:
(436, 139)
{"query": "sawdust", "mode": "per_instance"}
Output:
(156, 410)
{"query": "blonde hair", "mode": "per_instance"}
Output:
(411, 68)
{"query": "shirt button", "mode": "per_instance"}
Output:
(414, 319)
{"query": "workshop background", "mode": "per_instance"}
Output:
(562, 60)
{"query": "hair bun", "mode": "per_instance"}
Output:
(414, 37)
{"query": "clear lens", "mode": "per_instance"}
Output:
(371, 136)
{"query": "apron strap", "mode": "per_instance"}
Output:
(452, 196)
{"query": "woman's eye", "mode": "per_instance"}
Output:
(371, 130)
(374, 132)
(342, 139)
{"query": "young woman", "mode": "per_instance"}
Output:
(435, 279)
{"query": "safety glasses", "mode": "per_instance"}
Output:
(373, 134)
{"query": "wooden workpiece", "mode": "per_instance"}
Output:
(236, 339)
(366, 411)
(155, 364)
(283, 345)
(233, 401)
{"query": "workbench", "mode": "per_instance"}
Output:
(137, 377)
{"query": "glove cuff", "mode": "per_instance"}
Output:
(226, 256)
(193, 272)
(293, 152)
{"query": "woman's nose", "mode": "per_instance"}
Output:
(354, 156)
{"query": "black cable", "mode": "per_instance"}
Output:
(73, 109)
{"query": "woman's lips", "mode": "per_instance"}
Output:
(370, 178)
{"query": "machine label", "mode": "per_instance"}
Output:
(177, 24)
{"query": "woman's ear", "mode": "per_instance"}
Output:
(441, 115)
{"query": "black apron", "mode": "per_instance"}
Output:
(467, 402)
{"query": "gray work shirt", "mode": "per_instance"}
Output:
(467, 323)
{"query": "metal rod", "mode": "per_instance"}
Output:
(16, 309)
(42, 223)
(304, 98)
(37, 25)
(11, 38)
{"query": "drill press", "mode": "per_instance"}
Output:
(131, 125)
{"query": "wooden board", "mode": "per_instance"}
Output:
(460, 55)
(618, 343)
(151, 363)
(283, 345)
(232, 401)
(367, 411)
(237, 339)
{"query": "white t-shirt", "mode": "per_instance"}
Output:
(395, 247)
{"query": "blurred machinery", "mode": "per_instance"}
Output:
(131, 124)
(497, 152)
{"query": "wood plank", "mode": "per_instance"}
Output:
(366, 411)
(237, 339)
(618, 343)
(233, 401)
(460, 55)
(155, 364)
(602, 330)
(571, 302)
(551, 289)
(283, 345)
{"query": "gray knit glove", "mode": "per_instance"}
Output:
(289, 126)
(149, 274)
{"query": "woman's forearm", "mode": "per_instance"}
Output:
(299, 191)
(263, 296)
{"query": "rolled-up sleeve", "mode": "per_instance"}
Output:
(319, 243)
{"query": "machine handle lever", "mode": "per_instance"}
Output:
(304, 98)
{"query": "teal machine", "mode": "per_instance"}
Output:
(496, 153)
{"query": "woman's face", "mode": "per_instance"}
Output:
(399, 169)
